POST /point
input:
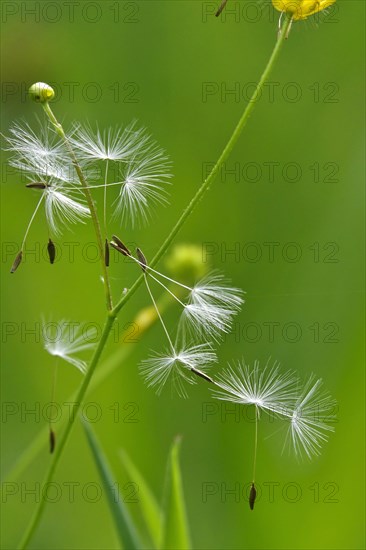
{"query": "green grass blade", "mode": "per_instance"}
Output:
(126, 530)
(175, 526)
(149, 506)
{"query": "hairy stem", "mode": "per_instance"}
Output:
(91, 204)
(164, 247)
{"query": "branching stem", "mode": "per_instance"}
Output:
(164, 247)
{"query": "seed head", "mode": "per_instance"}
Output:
(266, 388)
(178, 367)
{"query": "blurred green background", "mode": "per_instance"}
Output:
(154, 61)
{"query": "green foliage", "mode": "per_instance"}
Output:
(149, 507)
(125, 528)
(175, 531)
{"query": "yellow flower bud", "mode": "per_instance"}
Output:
(186, 263)
(301, 9)
(41, 92)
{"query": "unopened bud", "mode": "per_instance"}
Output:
(41, 92)
(185, 263)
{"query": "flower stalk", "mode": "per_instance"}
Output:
(221, 160)
(114, 310)
(91, 204)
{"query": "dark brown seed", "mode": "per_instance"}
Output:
(36, 185)
(118, 248)
(252, 496)
(51, 249)
(142, 259)
(17, 261)
(52, 441)
(118, 245)
(202, 375)
(221, 8)
(106, 253)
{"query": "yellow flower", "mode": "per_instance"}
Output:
(301, 9)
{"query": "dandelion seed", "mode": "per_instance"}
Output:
(114, 144)
(62, 208)
(310, 421)
(211, 307)
(141, 185)
(180, 363)
(64, 341)
(214, 289)
(42, 168)
(51, 249)
(252, 496)
(39, 153)
(42, 158)
(36, 185)
(266, 388)
(142, 259)
(178, 367)
(208, 321)
(117, 244)
(17, 262)
(309, 410)
(26, 143)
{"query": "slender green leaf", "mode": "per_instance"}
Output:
(150, 508)
(175, 525)
(124, 525)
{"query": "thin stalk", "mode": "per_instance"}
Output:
(223, 157)
(144, 320)
(148, 268)
(53, 395)
(158, 314)
(168, 290)
(255, 443)
(63, 439)
(31, 221)
(114, 311)
(105, 198)
(91, 204)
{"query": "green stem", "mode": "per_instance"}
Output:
(93, 211)
(113, 313)
(223, 157)
(63, 439)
